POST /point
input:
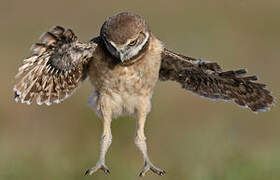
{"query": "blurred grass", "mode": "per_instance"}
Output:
(190, 137)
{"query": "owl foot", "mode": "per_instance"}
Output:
(98, 166)
(149, 166)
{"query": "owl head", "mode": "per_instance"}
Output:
(126, 36)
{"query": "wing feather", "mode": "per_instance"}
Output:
(209, 80)
(55, 69)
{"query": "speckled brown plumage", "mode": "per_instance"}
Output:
(124, 64)
(209, 80)
(57, 65)
(115, 28)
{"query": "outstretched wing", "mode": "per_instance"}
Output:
(54, 70)
(207, 79)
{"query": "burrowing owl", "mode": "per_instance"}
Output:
(124, 64)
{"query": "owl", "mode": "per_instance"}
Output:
(123, 64)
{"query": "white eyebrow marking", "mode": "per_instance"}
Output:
(136, 50)
(114, 45)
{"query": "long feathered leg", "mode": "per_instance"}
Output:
(140, 142)
(106, 140)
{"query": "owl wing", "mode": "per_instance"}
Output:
(55, 69)
(207, 79)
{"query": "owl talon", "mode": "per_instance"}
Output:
(98, 166)
(149, 166)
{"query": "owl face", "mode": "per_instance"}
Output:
(125, 36)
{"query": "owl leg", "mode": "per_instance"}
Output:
(140, 141)
(106, 140)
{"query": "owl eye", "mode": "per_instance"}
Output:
(132, 43)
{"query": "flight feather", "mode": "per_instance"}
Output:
(207, 79)
(54, 70)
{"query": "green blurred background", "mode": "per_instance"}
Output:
(189, 137)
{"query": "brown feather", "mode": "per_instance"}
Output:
(207, 79)
(55, 68)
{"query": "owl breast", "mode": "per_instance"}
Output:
(124, 89)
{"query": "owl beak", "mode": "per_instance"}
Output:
(121, 53)
(121, 56)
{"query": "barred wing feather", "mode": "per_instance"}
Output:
(55, 69)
